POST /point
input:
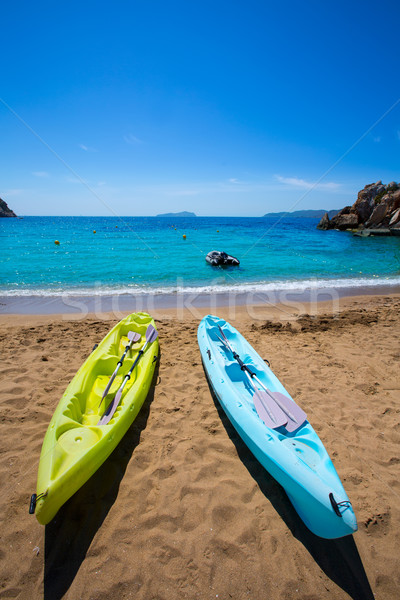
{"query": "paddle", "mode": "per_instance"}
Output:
(151, 335)
(296, 416)
(268, 411)
(273, 417)
(132, 337)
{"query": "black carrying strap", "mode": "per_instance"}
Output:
(33, 501)
(336, 505)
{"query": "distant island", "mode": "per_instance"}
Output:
(375, 212)
(5, 211)
(308, 214)
(184, 213)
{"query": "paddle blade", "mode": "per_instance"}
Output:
(294, 414)
(151, 334)
(108, 415)
(133, 336)
(268, 411)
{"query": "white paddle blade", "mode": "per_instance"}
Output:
(295, 415)
(108, 415)
(151, 334)
(133, 336)
(268, 411)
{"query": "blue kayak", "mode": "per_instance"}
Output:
(292, 453)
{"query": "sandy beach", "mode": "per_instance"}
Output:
(182, 509)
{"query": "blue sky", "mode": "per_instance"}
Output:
(221, 108)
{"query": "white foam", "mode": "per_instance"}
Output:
(297, 285)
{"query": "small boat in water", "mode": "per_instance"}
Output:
(221, 259)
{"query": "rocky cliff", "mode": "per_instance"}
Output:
(377, 209)
(5, 211)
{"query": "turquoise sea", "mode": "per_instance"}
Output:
(141, 254)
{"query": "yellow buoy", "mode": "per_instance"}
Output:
(184, 236)
(217, 230)
(94, 231)
(57, 243)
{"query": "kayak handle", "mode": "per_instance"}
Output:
(336, 505)
(33, 501)
(32, 504)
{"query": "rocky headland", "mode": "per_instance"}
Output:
(375, 212)
(5, 211)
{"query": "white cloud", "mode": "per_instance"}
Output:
(307, 185)
(233, 180)
(41, 174)
(132, 139)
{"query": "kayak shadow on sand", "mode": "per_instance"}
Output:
(69, 535)
(338, 558)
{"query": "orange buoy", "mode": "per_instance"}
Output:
(184, 236)
(57, 243)
(94, 231)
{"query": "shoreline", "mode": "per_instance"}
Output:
(181, 302)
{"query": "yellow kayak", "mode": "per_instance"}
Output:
(79, 438)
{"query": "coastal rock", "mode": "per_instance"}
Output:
(376, 207)
(395, 218)
(365, 203)
(379, 213)
(345, 211)
(343, 222)
(394, 200)
(324, 223)
(5, 211)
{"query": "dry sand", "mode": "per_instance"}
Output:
(181, 509)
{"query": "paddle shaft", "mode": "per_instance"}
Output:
(119, 364)
(129, 373)
(276, 420)
(151, 335)
(236, 356)
(252, 375)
